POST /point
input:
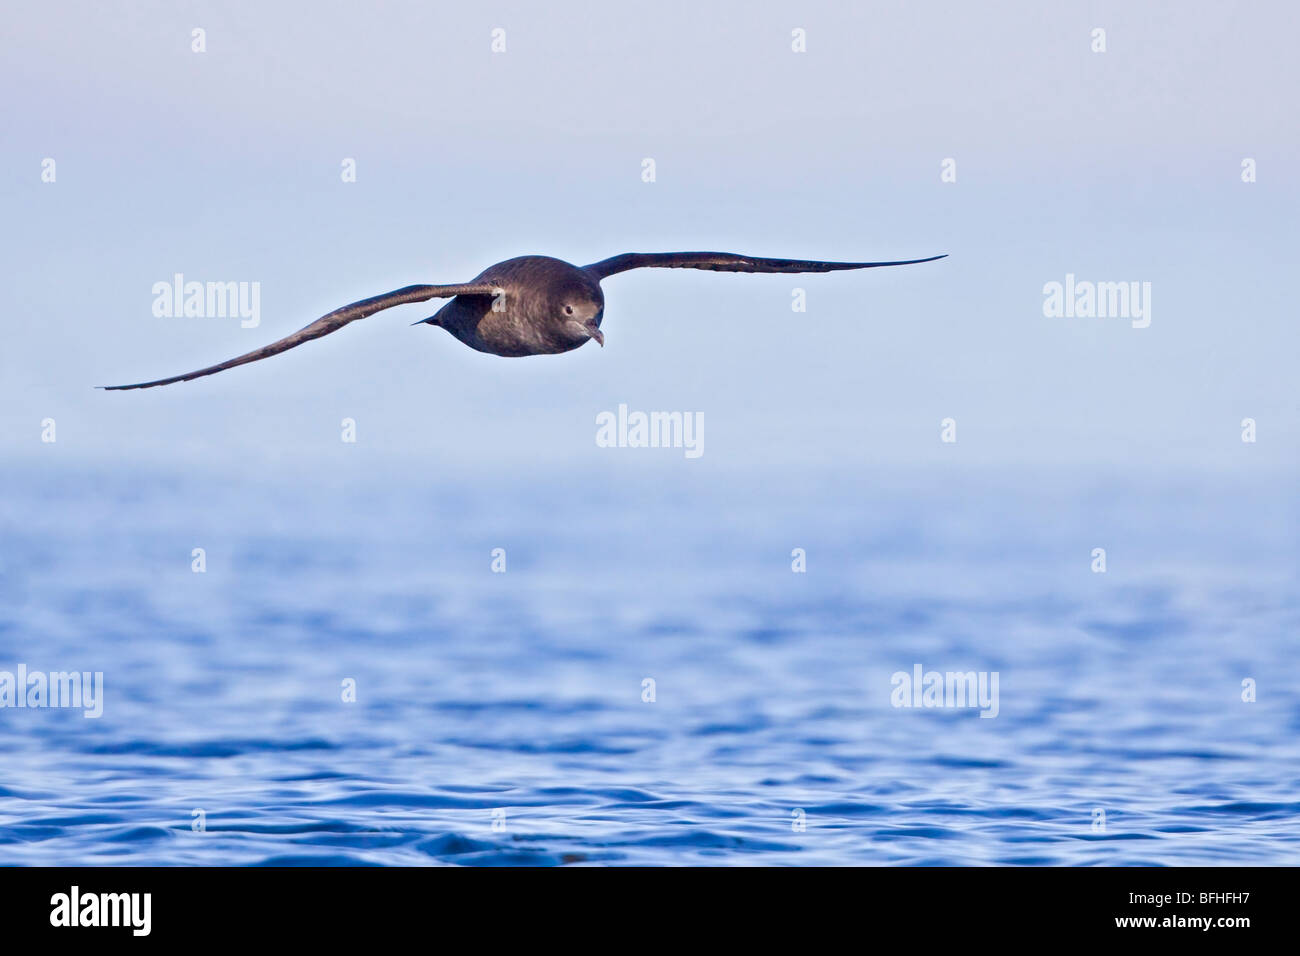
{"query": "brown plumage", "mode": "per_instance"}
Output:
(531, 305)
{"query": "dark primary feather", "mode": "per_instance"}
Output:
(727, 262)
(330, 323)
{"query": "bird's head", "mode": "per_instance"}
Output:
(578, 307)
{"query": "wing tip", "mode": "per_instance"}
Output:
(127, 388)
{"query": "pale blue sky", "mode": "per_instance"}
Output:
(225, 166)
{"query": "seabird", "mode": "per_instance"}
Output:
(530, 305)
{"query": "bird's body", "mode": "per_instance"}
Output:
(530, 305)
(527, 317)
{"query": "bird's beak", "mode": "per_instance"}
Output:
(597, 335)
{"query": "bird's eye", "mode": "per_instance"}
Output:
(568, 310)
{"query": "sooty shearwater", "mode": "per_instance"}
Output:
(531, 305)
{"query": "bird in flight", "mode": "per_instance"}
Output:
(530, 305)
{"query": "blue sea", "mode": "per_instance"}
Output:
(348, 681)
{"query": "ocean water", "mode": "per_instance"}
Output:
(501, 718)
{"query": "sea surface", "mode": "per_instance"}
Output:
(648, 681)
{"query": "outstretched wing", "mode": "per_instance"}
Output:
(728, 262)
(330, 323)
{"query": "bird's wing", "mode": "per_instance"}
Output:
(331, 323)
(727, 262)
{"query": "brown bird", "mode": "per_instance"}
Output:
(531, 305)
